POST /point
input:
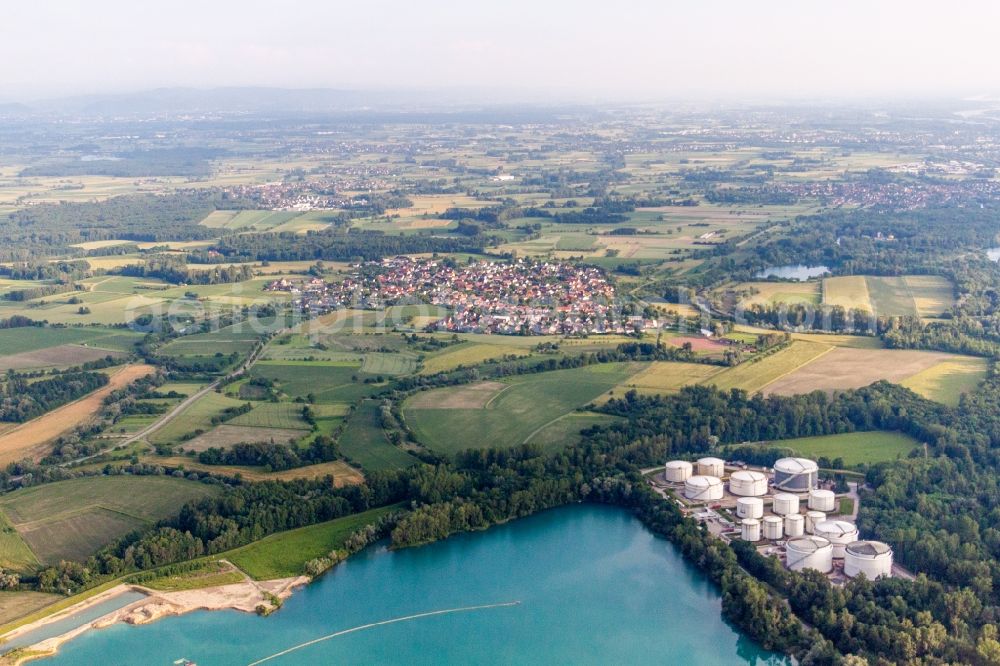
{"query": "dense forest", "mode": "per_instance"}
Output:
(23, 399)
(48, 229)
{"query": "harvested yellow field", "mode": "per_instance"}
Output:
(839, 340)
(754, 376)
(948, 380)
(766, 293)
(107, 263)
(850, 292)
(434, 204)
(662, 378)
(96, 245)
(668, 376)
(29, 440)
(467, 355)
(845, 368)
(468, 396)
(218, 218)
(932, 295)
(430, 223)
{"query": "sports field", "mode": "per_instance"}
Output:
(854, 448)
(72, 519)
(513, 414)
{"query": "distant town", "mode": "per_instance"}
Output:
(508, 298)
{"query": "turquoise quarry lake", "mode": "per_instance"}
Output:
(594, 586)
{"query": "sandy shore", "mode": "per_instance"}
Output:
(245, 596)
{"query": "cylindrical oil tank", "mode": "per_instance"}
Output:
(773, 527)
(750, 507)
(814, 518)
(703, 488)
(750, 529)
(747, 483)
(678, 471)
(785, 504)
(839, 533)
(795, 525)
(795, 474)
(822, 500)
(711, 466)
(809, 552)
(871, 558)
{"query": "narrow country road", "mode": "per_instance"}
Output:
(180, 407)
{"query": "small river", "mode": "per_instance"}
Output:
(799, 272)
(594, 586)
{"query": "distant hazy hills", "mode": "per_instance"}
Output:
(252, 101)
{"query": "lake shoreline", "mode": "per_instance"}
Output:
(245, 596)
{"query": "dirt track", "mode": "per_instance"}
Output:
(30, 440)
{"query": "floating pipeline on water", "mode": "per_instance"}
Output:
(464, 609)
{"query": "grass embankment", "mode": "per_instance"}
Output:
(285, 554)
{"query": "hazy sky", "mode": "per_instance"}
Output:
(651, 49)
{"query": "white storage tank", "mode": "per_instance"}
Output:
(750, 529)
(839, 533)
(795, 474)
(678, 471)
(822, 500)
(703, 488)
(773, 528)
(795, 525)
(747, 483)
(809, 552)
(750, 507)
(814, 518)
(871, 558)
(711, 466)
(785, 504)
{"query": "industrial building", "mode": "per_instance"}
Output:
(797, 475)
(809, 552)
(795, 525)
(750, 529)
(871, 558)
(822, 500)
(747, 483)
(678, 471)
(703, 488)
(711, 467)
(785, 504)
(773, 527)
(750, 507)
(839, 533)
